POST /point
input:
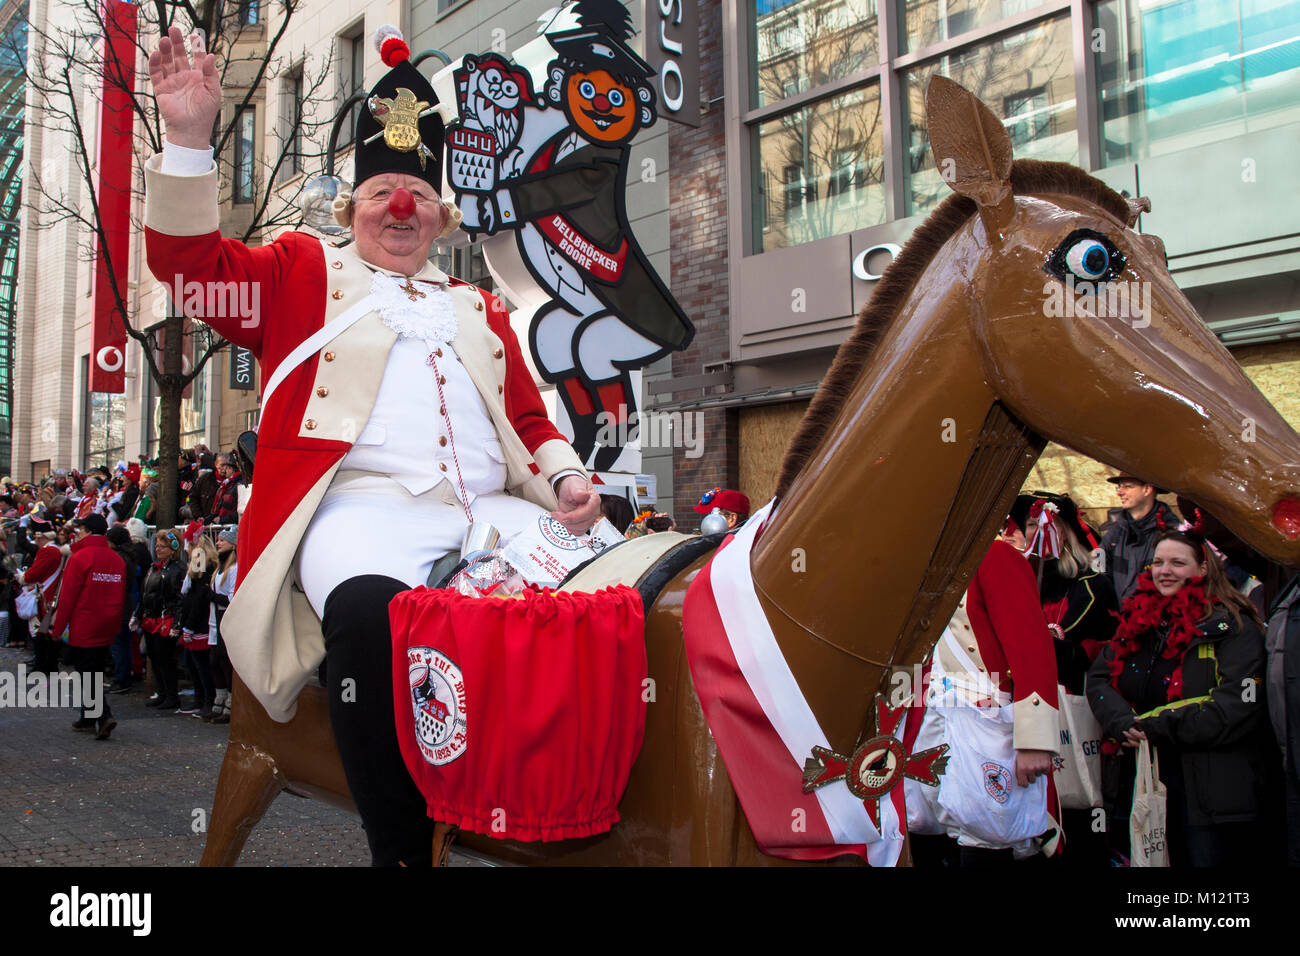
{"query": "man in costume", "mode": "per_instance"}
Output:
(391, 394)
(995, 655)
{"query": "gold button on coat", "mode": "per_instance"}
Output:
(309, 424)
(443, 465)
(336, 264)
(478, 305)
(498, 353)
(322, 391)
(500, 389)
(337, 293)
(442, 380)
(442, 440)
(329, 356)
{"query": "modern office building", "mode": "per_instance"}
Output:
(1192, 103)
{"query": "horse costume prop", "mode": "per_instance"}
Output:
(933, 413)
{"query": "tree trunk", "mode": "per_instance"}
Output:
(169, 420)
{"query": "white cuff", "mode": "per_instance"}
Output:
(560, 476)
(183, 161)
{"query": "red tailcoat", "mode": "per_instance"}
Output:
(297, 284)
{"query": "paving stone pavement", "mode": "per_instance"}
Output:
(67, 799)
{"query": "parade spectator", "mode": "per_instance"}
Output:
(1080, 609)
(1079, 604)
(618, 511)
(160, 612)
(119, 540)
(203, 493)
(196, 607)
(89, 498)
(1185, 672)
(146, 504)
(1283, 646)
(222, 590)
(225, 501)
(44, 574)
(998, 631)
(89, 615)
(733, 505)
(1130, 542)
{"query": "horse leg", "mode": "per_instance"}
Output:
(248, 783)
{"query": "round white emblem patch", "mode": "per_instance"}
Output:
(438, 703)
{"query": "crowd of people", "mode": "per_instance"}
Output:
(1159, 620)
(88, 582)
(1160, 623)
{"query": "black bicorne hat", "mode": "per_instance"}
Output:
(398, 127)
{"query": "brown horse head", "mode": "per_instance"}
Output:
(1086, 339)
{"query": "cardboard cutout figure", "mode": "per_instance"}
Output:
(552, 170)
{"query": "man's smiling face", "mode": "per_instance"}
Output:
(399, 245)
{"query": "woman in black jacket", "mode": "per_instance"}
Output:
(1185, 671)
(196, 605)
(160, 614)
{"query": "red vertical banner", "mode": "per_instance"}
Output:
(116, 118)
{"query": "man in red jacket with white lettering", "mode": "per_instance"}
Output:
(90, 611)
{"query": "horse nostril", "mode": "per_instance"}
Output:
(1286, 517)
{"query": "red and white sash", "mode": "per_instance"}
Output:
(763, 725)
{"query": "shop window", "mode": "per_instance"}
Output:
(796, 45)
(1032, 81)
(825, 159)
(1174, 75)
(245, 130)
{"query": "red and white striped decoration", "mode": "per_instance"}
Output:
(763, 725)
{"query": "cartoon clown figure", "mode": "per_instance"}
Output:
(559, 181)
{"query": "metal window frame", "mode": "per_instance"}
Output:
(742, 118)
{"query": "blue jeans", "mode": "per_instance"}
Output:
(122, 657)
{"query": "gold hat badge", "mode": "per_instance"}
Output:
(400, 116)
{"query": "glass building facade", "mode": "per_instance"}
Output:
(13, 56)
(835, 117)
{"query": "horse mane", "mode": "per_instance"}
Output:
(1028, 176)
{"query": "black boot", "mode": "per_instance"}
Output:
(358, 648)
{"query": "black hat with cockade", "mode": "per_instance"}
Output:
(398, 127)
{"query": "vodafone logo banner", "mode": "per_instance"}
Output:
(116, 117)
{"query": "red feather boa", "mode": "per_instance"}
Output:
(1146, 609)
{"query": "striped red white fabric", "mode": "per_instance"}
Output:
(763, 725)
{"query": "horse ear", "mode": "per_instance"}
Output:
(971, 149)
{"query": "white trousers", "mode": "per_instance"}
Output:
(370, 524)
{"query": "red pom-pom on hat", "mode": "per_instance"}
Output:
(392, 48)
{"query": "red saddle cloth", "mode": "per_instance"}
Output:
(520, 718)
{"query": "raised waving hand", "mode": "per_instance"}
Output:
(189, 96)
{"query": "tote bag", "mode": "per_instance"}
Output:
(1147, 844)
(1078, 768)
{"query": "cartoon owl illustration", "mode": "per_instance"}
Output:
(491, 100)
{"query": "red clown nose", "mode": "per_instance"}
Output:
(401, 204)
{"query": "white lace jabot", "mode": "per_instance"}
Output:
(431, 317)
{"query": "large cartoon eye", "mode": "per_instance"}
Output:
(1087, 256)
(616, 97)
(587, 90)
(510, 88)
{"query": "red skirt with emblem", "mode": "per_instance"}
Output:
(520, 718)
